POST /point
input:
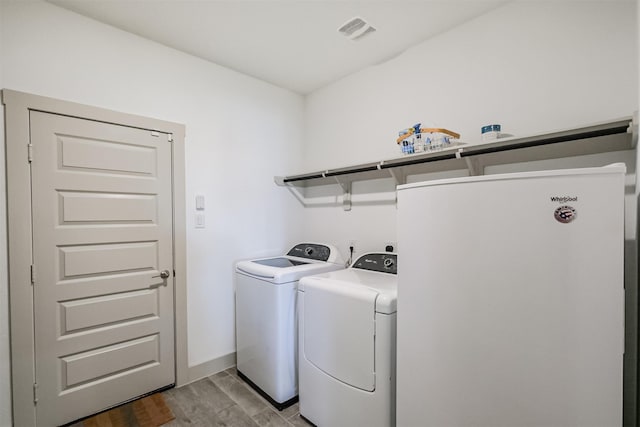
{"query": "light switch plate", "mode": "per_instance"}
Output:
(200, 202)
(199, 220)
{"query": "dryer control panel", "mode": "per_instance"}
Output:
(381, 262)
(311, 251)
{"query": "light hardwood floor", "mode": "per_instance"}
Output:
(224, 399)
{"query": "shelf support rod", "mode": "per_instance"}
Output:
(474, 165)
(346, 196)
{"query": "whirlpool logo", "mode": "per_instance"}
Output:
(564, 199)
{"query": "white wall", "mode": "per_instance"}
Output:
(240, 133)
(531, 66)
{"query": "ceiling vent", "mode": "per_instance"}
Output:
(356, 28)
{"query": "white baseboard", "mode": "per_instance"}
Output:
(211, 367)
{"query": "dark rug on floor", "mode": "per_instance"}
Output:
(150, 411)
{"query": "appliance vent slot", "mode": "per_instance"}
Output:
(356, 28)
(352, 26)
(364, 33)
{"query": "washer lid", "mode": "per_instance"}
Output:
(261, 269)
(302, 260)
(280, 262)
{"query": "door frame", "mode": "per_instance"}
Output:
(19, 235)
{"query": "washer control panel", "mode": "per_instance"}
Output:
(381, 262)
(311, 251)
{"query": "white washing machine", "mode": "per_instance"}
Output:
(266, 324)
(347, 344)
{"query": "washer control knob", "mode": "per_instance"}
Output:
(308, 251)
(388, 262)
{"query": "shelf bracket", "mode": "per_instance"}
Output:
(346, 196)
(297, 194)
(475, 166)
(279, 180)
(399, 175)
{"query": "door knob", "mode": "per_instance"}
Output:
(164, 274)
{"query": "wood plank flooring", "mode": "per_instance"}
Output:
(224, 399)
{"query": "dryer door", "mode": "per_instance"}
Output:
(339, 331)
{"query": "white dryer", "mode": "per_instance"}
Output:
(266, 325)
(347, 344)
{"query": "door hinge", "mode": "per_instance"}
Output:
(30, 152)
(33, 274)
(35, 392)
(170, 137)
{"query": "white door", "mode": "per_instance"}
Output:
(102, 235)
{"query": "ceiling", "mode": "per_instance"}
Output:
(293, 44)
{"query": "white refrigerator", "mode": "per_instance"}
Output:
(511, 300)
